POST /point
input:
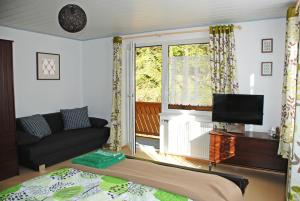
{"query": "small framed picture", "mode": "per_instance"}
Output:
(47, 66)
(266, 68)
(267, 45)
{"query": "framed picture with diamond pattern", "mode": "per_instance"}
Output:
(48, 66)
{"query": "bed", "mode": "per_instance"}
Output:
(131, 179)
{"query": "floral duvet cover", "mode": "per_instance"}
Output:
(72, 184)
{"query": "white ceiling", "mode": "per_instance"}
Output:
(119, 17)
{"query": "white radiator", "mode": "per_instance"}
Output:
(187, 137)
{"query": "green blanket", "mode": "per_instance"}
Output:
(72, 184)
(99, 159)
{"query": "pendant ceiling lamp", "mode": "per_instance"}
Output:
(72, 18)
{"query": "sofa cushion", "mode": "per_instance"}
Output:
(36, 125)
(54, 121)
(75, 118)
(97, 122)
(60, 141)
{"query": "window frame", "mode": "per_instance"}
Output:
(186, 107)
(165, 77)
(205, 111)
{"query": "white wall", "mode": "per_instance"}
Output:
(97, 69)
(97, 72)
(41, 96)
(249, 58)
(86, 70)
(97, 76)
(95, 57)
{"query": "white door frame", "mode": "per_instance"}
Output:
(130, 96)
(130, 89)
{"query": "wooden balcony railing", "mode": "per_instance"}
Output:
(147, 116)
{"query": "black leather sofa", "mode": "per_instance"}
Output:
(61, 145)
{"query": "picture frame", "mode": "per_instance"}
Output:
(267, 45)
(47, 66)
(266, 68)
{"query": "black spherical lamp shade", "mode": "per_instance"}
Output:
(72, 18)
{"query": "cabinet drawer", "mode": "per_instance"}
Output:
(252, 149)
(221, 148)
(256, 147)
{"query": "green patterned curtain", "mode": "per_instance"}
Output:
(289, 146)
(289, 89)
(116, 132)
(222, 59)
(293, 176)
(222, 62)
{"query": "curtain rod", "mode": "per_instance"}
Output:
(173, 33)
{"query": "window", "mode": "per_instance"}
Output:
(189, 77)
(176, 75)
(148, 73)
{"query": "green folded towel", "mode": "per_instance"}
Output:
(108, 153)
(99, 159)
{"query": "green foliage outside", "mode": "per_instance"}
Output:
(188, 50)
(148, 74)
(149, 70)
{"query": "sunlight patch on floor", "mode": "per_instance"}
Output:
(149, 152)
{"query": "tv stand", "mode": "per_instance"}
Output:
(251, 149)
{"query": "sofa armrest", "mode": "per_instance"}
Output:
(97, 122)
(24, 138)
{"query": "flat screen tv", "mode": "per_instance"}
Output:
(238, 108)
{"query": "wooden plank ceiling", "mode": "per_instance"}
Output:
(112, 17)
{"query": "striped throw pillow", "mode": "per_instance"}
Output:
(36, 125)
(76, 118)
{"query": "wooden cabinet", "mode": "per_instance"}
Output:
(221, 147)
(252, 149)
(8, 148)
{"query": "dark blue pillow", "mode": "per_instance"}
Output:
(76, 118)
(36, 125)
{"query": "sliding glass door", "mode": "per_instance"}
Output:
(130, 97)
(148, 95)
(170, 79)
